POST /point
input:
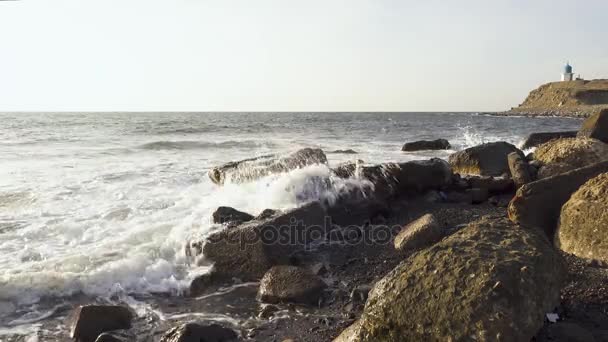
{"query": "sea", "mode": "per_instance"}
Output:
(103, 204)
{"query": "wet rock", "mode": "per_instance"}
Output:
(393, 179)
(459, 197)
(249, 250)
(421, 145)
(347, 169)
(251, 169)
(536, 139)
(573, 152)
(355, 210)
(583, 225)
(421, 233)
(195, 332)
(489, 281)
(486, 160)
(568, 332)
(347, 151)
(596, 126)
(89, 321)
(538, 204)
(116, 336)
(267, 311)
(478, 195)
(520, 171)
(230, 215)
(266, 214)
(290, 284)
(360, 293)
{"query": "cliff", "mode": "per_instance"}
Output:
(577, 99)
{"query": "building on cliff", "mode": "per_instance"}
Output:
(567, 75)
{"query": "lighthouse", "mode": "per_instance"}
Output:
(567, 75)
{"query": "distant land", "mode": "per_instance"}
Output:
(578, 98)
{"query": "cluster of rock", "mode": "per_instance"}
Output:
(494, 278)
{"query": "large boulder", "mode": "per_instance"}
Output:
(290, 284)
(90, 321)
(520, 171)
(490, 281)
(393, 179)
(536, 139)
(538, 204)
(253, 168)
(583, 224)
(421, 233)
(195, 332)
(421, 145)
(486, 160)
(596, 126)
(249, 250)
(571, 153)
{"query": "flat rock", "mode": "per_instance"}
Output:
(290, 284)
(536, 139)
(90, 321)
(538, 204)
(488, 159)
(490, 281)
(422, 145)
(596, 126)
(583, 225)
(572, 153)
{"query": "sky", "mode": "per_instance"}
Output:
(288, 55)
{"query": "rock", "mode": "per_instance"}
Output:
(479, 195)
(267, 311)
(459, 197)
(486, 160)
(230, 215)
(596, 126)
(347, 169)
(348, 151)
(89, 321)
(574, 152)
(421, 233)
(538, 204)
(393, 179)
(490, 281)
(195, 332)
(494, 185)
(520, 172)
(266, 214)
(536, 139)
(583, 225)
(360, 293)
(290, 284)
(421, 145)
(552, 169)
(116, 336)
(354, 210)
(568, 332)
(249, 250)
(250, 169)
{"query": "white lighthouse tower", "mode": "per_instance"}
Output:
(567, 75)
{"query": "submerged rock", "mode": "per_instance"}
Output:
(347, 151)
(536, 139)
(230, 215)
(421, 233)
(488, 159)
(249, 250)
(195, 332)
(538, 204)
(583, 225)
(251, 169)
(290, 284)
(575, 152)
(421, 145)
(596, 126)
(90, 321)
(490, 281)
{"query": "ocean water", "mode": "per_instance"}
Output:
(104, 203)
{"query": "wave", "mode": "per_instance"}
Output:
(195, 145)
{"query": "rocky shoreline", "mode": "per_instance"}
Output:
(491, 245)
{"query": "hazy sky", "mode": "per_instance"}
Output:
(282, 55)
